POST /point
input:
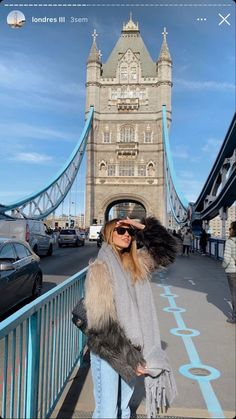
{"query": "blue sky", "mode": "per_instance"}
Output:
(42, 86)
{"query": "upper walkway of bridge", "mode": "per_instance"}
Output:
(192, 301)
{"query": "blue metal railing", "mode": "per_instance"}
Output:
(215, 247)
(39, 348)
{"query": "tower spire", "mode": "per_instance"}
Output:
(94, 35)
(130, 26)
(164, 53)
(94, 54)
(164, 33)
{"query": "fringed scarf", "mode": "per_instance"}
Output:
(137, 316)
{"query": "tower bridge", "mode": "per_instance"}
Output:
(126, 140)
(125, 156)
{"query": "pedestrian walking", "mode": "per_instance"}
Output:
(203, 242)
(187, 242)
(229, 264)
(192, 243)
(178, 239)
(123, 333)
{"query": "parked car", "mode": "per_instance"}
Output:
(35, 232)
(70, 237)
(20, 273)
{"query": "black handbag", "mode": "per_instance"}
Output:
(79, 315)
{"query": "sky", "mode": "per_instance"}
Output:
(42, 85)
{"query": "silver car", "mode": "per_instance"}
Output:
(70, 237)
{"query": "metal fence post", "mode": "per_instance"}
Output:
(33, 350)
(217, 250)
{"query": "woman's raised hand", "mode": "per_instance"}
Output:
(132, 223)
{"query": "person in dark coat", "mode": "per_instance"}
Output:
(203, 242)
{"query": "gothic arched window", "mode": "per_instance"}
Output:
(151, 169)
(133, 73)
(124, 73)
(142, 170)
(127, 134)
(148, 135)
(106, 137)
(113, 94)
(111, 169)
(126, 168)
(102, 168)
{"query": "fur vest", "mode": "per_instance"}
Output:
(106, 337)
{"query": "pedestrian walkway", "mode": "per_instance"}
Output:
(192, 300)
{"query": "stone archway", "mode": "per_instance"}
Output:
(122, 208)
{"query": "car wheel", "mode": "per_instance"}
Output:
(50, 250)
(77, 243)
(37, 288)
(59, 245)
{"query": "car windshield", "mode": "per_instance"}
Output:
(68, 232)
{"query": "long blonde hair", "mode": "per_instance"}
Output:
(129, 258)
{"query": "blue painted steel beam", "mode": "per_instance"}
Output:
(182, 199)
(177, 202)
(226, 198)
(80, 148)
(226, 151)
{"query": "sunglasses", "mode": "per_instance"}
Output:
(122, 230)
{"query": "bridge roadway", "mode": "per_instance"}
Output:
(192, 300)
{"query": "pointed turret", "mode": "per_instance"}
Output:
(94, 69)
(94, 55)
(164, 53)
(164, 73)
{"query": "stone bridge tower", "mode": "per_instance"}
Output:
(125, 148)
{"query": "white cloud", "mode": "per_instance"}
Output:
(183, 68)
(8, 197)
(26, 83)
(203, 85)
(180, 154)
(191, 189)
(28, 131)
(212, 147)
(186, 174)
(34, 158)
(189, 185)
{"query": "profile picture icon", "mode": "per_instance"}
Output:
(16, 19)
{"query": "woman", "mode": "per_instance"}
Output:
(123, 333)
(187, 242)
(229, 263)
